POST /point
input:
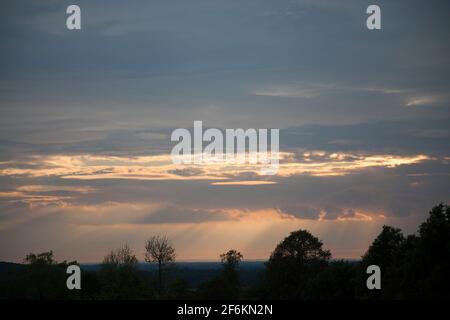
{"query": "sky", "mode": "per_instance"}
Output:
(86, 118)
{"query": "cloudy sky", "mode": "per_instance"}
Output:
(86, 118)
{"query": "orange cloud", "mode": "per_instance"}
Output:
(160, 167)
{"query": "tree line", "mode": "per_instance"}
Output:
(416, 266)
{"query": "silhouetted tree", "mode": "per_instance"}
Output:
(415, 267)
(384, 248)
(431, 256)
(412, 267)
(119, 277)
(231, 259)
(159, 250)
(293, 265)
(385, 252)
(121, 257)
(43, 259)
(42, 277)
(336, 281)
(230, 265)
(227, 284)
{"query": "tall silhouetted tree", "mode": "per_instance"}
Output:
(415, 267)
(386, 251)
(230, 264)
(159, 250)
(294, 265)
(432, 255)
(384, 248)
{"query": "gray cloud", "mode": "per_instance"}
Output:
(173, 214)
(137, 70)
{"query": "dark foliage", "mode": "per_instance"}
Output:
(412, 267)
(226, 285)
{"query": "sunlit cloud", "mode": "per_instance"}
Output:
(34, 200)
(35, 196)
(423, 100)
(49, 188)
(242, 183)
(383, 90)
(288, 92)
(313, 90)
(351, 215)
(338, 164)
(160, 167)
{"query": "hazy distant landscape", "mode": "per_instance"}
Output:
(194, 273)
